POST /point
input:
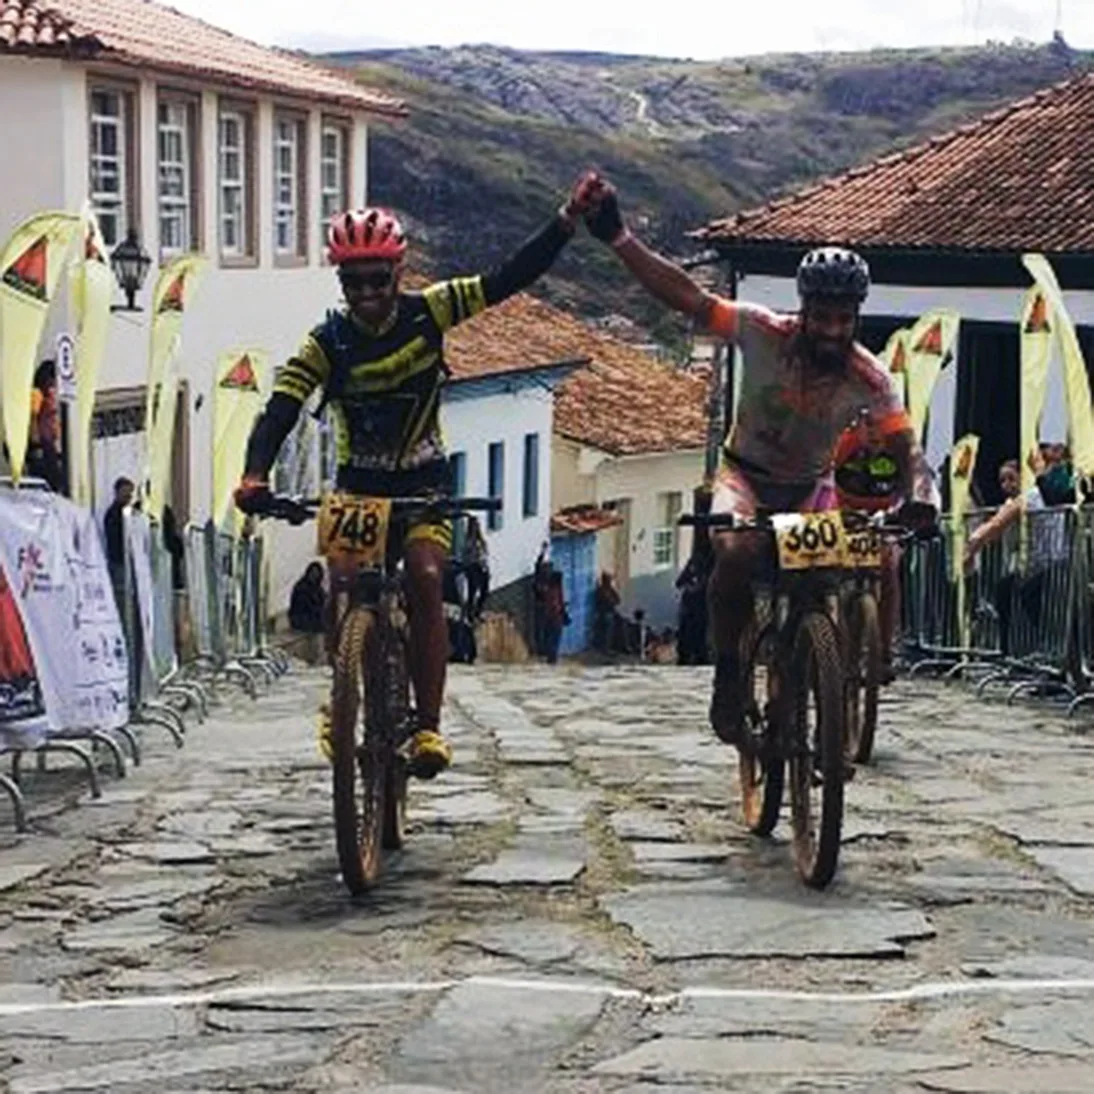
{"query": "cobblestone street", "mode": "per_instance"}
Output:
(578, 909)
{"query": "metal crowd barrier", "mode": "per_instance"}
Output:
(1021, 622)
(209, 625)
(227, 599)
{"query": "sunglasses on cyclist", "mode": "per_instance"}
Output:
(378, 280)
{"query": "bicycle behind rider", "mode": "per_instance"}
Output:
(380, 361)
(804, 377)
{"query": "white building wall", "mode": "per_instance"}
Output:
(1000, 305)
(44, 131)
(586, 476)
(642, 479)
(34, 138)
(471, 424)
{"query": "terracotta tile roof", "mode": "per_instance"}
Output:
(142, 33)
(583, 519)
(25, 25)
(624, 402)
(1019, 179)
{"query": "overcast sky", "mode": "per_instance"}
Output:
(682, 28)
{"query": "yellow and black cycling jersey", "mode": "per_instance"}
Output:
(383, 387)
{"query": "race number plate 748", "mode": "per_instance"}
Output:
(354, 528)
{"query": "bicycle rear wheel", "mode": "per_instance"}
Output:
(761, 776)
(358, 824)
(863, 676)
(816, 748)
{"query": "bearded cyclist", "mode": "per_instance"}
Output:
(804, 378)
(381, 364)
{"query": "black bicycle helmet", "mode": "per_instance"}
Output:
(834, 273)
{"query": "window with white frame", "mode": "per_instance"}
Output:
(175, 143)
(333, 172)
(234, 151)
(665, 536)
(289, 145)
(109, 161)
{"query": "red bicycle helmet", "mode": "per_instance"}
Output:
(363, 234)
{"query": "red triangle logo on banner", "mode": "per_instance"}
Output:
(173, 299)
(1038, 317)
(27, 274)
(900, 359)
(931, 342)
(241, 376)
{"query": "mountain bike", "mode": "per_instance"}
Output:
(792, 663)
(868, 536)
(372, 721)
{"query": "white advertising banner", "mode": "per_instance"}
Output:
(139, 543)
(52, 555)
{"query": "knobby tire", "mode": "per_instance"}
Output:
(817, 671)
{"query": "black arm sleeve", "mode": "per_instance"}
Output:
(273, 426)
(530, 263)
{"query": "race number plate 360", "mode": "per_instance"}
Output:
(810, 540)
(354, 528)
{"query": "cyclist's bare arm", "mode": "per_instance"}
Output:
(665, 280)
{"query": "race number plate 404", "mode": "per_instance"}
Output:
(864, 549)
(354, 528)
(810, 540)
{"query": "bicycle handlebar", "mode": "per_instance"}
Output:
(882, 522)
(298, 510)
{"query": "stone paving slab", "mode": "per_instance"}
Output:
(676, 1059)
(725, 919)
(955, 867)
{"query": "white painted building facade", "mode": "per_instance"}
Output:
(245, 177)
(646, 552)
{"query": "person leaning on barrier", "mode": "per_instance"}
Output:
(1048, 547)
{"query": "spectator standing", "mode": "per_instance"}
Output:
(476, 568)
(307, 608)
(556, 617)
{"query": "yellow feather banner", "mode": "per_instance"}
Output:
(237, 400)
(930, 341)
(92, 287)
(1076, 384)
(895, 355)
(30, 266)
(962, 467)
(171, 300)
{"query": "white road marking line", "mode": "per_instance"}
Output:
(259, 993)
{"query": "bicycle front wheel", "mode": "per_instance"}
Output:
(358, 818)
(816, 728)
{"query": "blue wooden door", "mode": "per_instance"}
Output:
(575, 558)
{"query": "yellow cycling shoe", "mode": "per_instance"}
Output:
(428, 755)
(324, 739)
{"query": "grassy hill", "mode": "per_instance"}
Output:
(496, 135)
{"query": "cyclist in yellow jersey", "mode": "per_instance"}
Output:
(380, 362)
